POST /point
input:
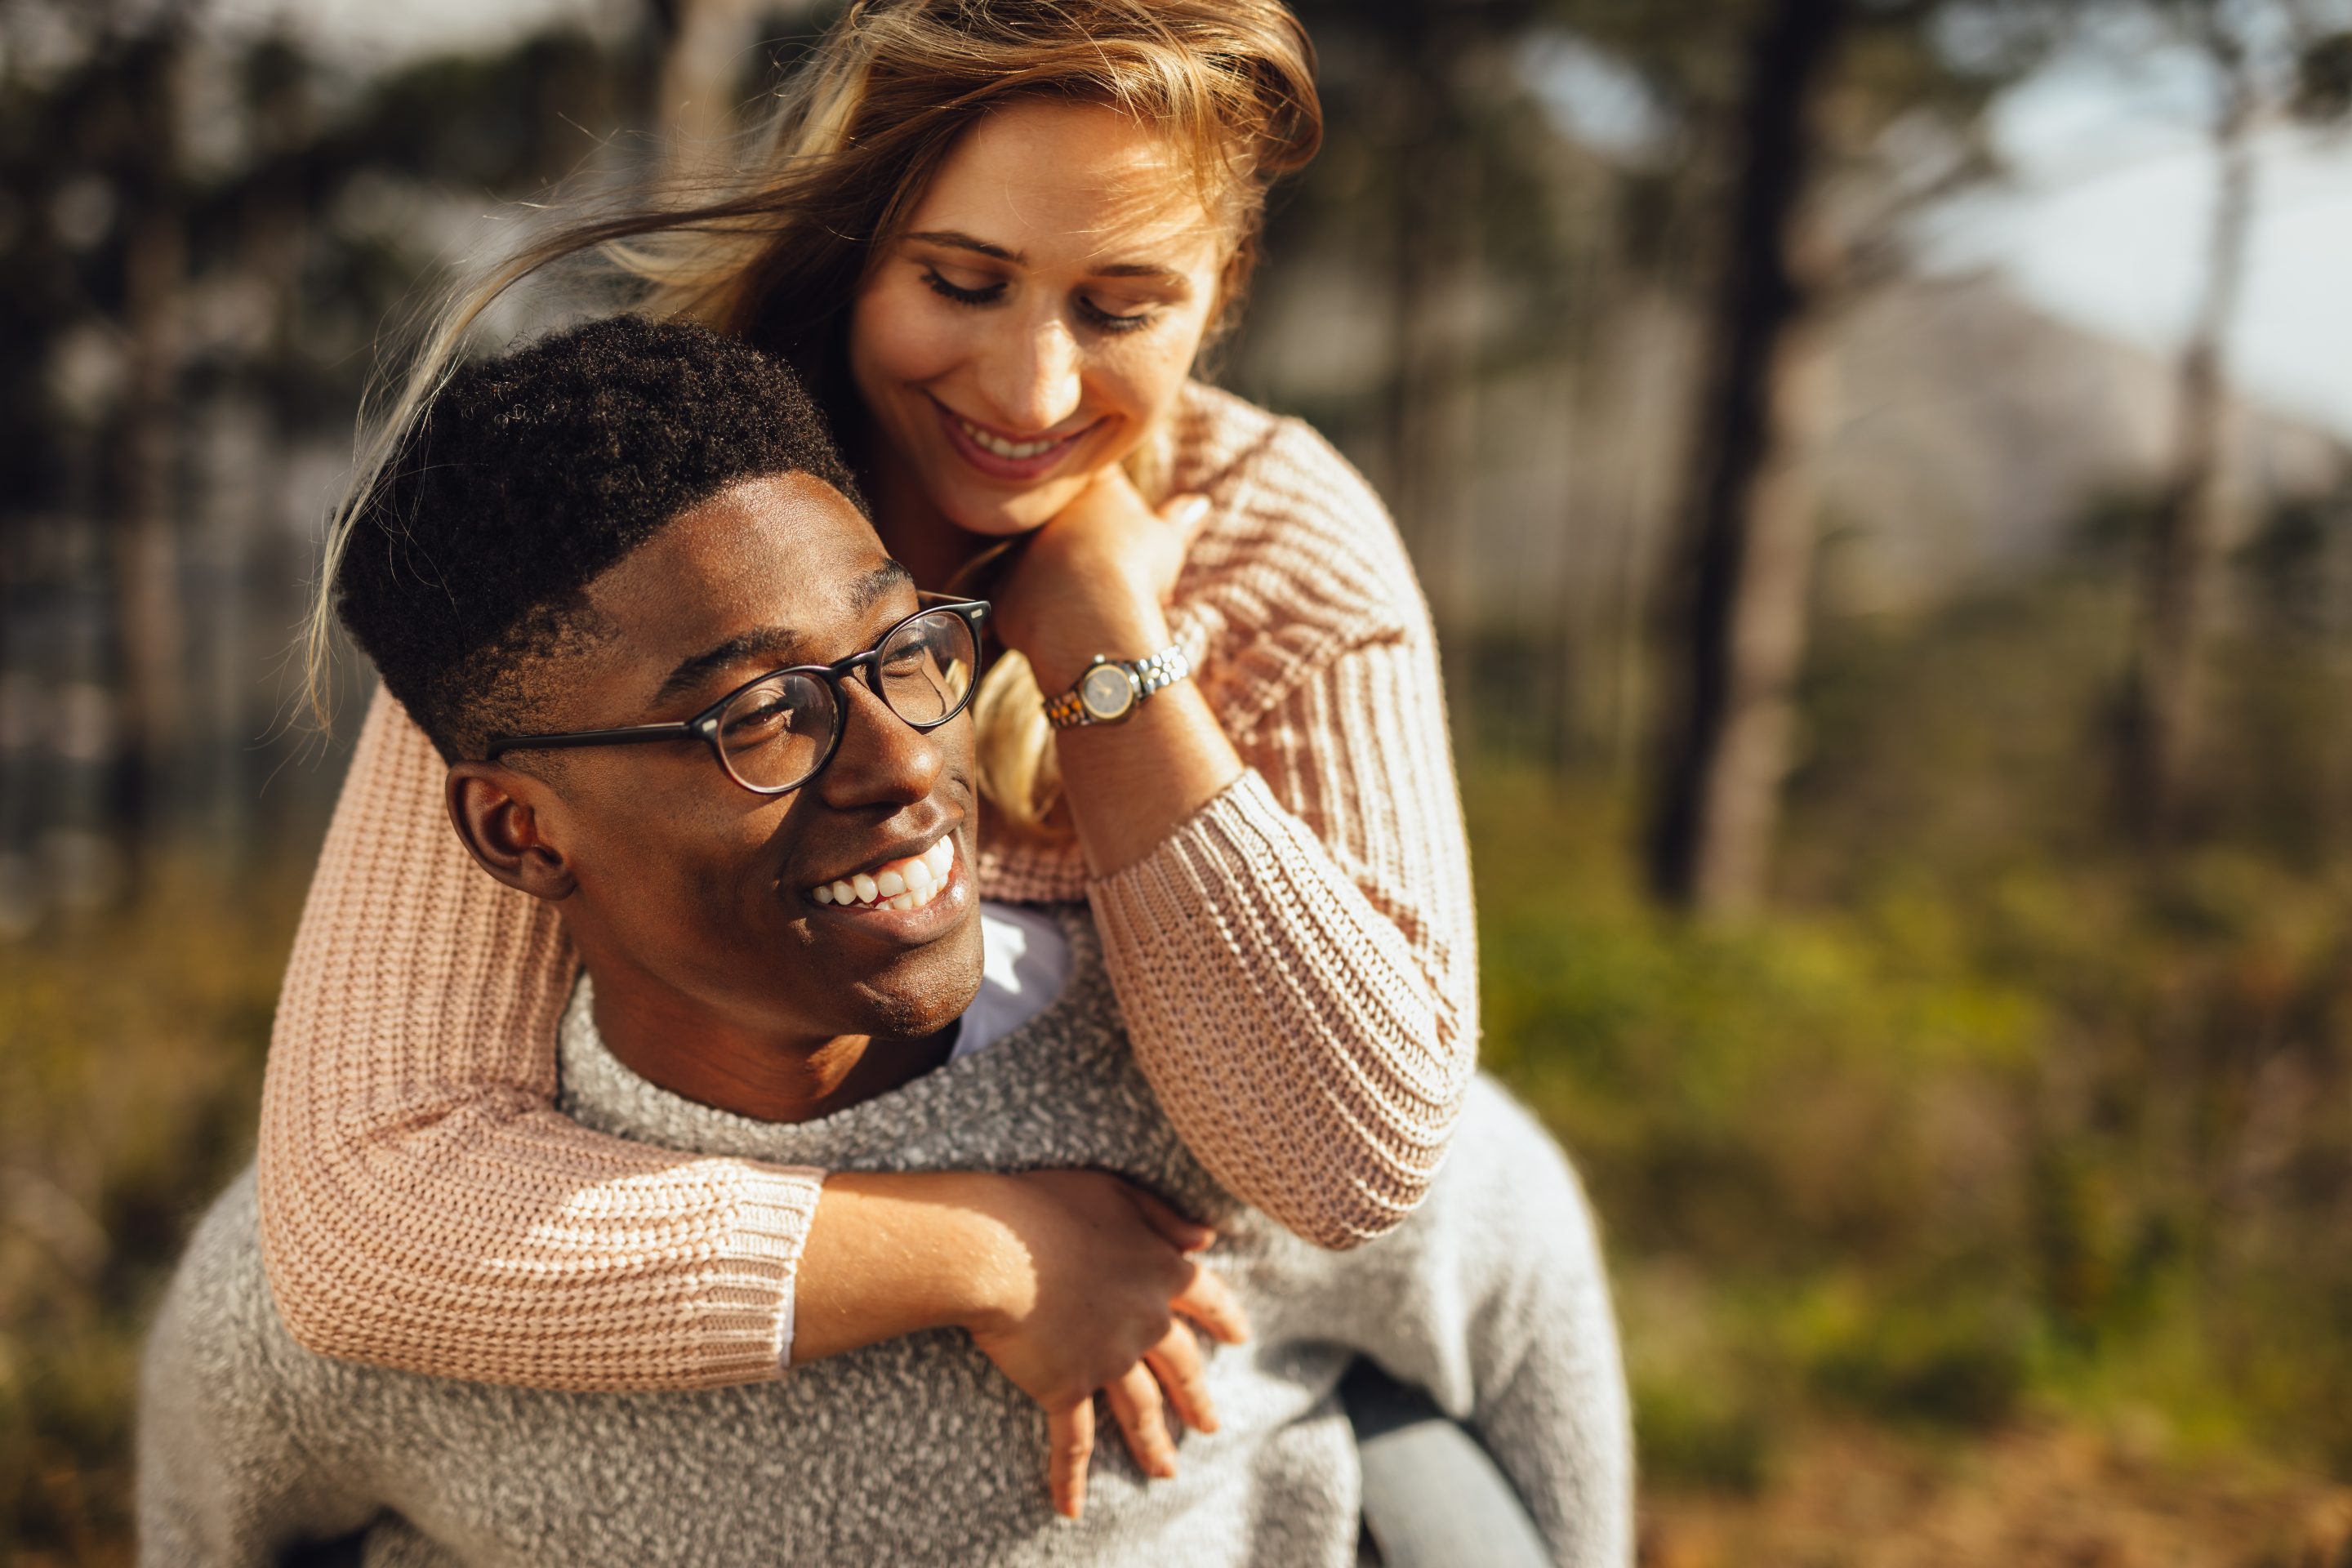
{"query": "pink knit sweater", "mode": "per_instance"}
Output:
(1296, 962)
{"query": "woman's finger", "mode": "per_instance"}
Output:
(1183, 1234)
(1136, 1405)
(1070, 1443)
(1187, 514)
(1176, 1362)
(1211, 1303)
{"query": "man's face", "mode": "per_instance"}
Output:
(707, 889)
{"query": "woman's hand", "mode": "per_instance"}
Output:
(1096, 579)
(1087, 1275)
(1071, 1282)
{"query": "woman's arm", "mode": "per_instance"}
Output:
(1284, 895)
(423, 1204)
(1298, 957)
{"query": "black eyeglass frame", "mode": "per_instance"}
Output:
(704, 726)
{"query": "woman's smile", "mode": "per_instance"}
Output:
(1008, 458)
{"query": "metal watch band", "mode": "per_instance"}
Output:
(1068, 709)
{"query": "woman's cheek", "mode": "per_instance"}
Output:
(1154, 373)
(897, 342)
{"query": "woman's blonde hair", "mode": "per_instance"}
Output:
(776, 255)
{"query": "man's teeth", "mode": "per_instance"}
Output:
(908, 884)
(990, 441)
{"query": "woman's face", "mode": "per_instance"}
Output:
(1042, 309)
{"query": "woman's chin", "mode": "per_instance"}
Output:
(1003, 515)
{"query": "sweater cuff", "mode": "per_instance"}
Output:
(747, 1333)
(1244, 813)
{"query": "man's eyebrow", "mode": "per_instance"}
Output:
(956, 240)
(878, 584)
(775, 642)
(761, 642)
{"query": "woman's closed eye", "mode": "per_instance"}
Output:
(1103, 318)
(962, 293)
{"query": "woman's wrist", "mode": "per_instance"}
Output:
(1060, 651)
(894, 1252)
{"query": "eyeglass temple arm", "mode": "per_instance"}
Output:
(631, 734)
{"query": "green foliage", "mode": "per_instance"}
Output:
(1989, 1119)
(127, 1096)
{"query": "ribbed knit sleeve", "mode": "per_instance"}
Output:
(1298, 963)
(423, 1204)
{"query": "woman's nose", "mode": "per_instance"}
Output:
(882, 758)
(1030, 376)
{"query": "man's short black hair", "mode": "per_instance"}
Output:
(532, 474)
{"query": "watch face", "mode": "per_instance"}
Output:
(1107, 691)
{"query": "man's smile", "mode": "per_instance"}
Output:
(902, 882)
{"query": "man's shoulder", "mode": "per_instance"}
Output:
(1502, 1168)
(220, 1286)
(247, 1441)
(218, 1340)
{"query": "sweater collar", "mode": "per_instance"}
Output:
(597, 1089)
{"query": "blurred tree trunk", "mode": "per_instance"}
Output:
(1433, 299)
(702, 66)
(1735, 604)
(145, 546)
(2184, 555)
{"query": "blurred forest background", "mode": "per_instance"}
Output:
(1901, 702)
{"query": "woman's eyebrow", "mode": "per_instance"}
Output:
(956, 241)
(1151, 272)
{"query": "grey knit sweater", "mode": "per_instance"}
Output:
(918, 1451)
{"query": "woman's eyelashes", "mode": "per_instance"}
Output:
(986, 294)
(1111, 320)
(1095, 315)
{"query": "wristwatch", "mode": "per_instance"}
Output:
(1111, 689)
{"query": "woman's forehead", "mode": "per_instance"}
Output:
(1070, 185)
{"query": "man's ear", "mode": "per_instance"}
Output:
(496, 811)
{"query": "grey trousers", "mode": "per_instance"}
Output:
(1432, 1498)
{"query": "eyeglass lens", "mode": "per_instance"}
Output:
(773, 734)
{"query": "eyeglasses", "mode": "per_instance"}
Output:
(776, 732)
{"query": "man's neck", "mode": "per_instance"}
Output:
(764, 1075)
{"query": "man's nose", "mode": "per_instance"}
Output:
(1031, 376)
(882, 759)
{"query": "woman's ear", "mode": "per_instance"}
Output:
(496, 811)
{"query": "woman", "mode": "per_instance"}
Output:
(993, 238)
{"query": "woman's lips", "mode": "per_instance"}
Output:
(997, 465)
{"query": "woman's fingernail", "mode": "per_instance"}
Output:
(1190, 510)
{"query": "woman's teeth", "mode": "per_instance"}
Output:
(988, 441)
(906, 884)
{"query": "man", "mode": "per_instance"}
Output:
(688, 698)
